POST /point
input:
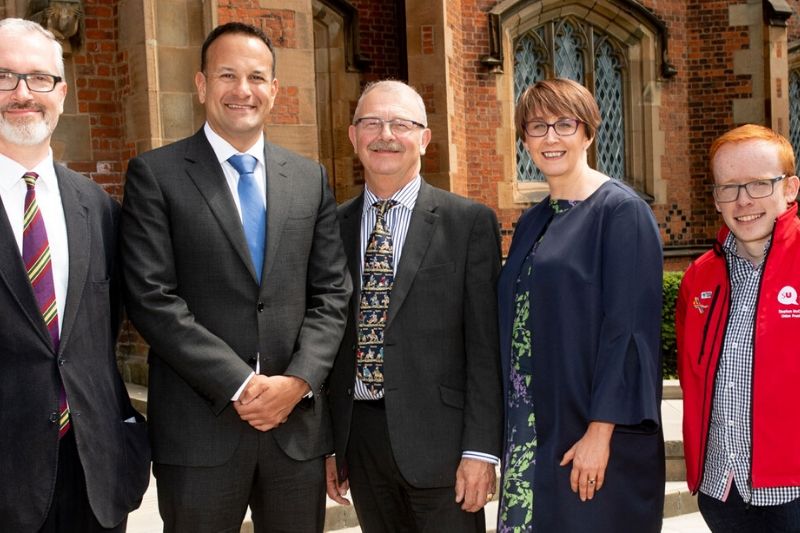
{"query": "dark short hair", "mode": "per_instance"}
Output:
(233, 28)
(558, 96)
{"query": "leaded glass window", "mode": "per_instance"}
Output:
(794, 112)
(574, 49)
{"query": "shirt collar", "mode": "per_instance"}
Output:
(732, 251)
(224, 150)
(11, 173)
(406, 196)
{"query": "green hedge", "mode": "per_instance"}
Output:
(672, 281)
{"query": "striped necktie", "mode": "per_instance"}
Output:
(36, 256)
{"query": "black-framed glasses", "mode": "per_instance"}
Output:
(36, 82)
(563, 127)
(398, 126)
(755, 189)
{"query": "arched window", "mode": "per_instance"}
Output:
(583, 53)
(616, 49)
(794, 113)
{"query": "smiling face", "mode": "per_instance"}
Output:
(390, 160)
(556, 156)
(751, 220)
(27, 118)
(237, 89)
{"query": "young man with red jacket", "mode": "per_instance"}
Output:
(737, 324)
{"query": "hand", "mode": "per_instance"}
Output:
(336, 491)
(475, 484)
(589, 457)
(267, 401)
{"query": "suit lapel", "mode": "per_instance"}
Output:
(76, 215)
(206, 173)
(13, 275)
(420, 231)
(279, 194)
(351, 235)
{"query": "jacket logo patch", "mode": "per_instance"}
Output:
(701, 308)
(788, 295)
(706, 295)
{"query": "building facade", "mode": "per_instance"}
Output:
(669, 75)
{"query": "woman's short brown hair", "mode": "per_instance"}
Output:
(560, 97)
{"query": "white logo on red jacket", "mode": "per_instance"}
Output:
(788, 295)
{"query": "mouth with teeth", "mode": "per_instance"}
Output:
(553, 155)
(239, 107)
(748, 218)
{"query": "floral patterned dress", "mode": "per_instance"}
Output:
(519, 457)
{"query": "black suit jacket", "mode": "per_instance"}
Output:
(441, 364)
(192, 294)
(114, 454)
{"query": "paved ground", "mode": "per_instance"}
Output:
(146, 518)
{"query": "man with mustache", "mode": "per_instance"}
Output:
(737, 319)
(415, 390)
(73, 452)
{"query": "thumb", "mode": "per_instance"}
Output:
(568, 457)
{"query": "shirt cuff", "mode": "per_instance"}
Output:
(480, 456)
(241, 389)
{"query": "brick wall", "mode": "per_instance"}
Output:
(381, 38)
(101, 79)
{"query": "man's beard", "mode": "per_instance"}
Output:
(28, 132)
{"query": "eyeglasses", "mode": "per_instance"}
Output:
(398, 126)
(36, 82)
(563, 127)
(755, 189)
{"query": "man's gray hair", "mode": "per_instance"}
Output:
(394, 86)
(22, 25)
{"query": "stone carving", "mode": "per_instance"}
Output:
(62, 17)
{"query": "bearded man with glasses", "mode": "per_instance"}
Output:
(737, 322)
(74, 454)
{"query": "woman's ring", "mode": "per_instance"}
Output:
(591, 482)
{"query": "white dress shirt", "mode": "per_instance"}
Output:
(48, 196)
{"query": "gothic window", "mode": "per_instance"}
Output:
(794, 111)
(574, 49)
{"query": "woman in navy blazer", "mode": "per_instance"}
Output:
(579, 309)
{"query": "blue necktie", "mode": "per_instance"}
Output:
(254, 216)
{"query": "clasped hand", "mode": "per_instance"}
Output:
(267, 401)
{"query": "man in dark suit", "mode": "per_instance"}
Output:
(237, 279)
(73, 453)
(415, 391)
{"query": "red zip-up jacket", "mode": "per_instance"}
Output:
(700, 326)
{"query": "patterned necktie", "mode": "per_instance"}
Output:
(36, 256)
(254, 216)
(376, 287)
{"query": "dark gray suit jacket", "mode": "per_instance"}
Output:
(114, 454)
(441, 362)
(192, 294)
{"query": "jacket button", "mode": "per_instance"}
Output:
(260, 307)
(252, 360)
(349, 392)
(61, 361)
(53, 417)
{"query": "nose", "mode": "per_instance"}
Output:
(551, 134)
(386, 131)
(744, 197)
(242, 86)
(22, 92)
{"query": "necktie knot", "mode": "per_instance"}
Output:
(244, 164)
(30, 179)
(383, 206)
